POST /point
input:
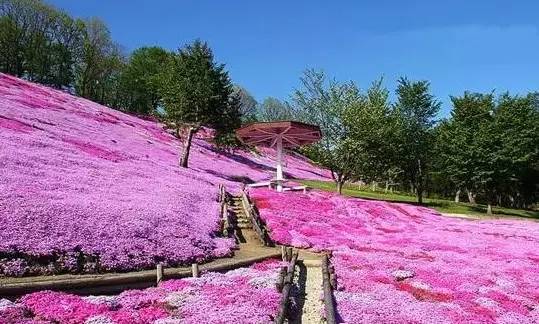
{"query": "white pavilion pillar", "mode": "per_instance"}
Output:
(279, 163)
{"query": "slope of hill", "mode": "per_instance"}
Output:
(84, 188)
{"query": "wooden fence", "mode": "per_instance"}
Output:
(227, 227)
(328, 284)
(258, 224)
(284, 285)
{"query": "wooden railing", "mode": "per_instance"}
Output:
(227, 228)
(328, 284)
(258, 224)
(284, 286)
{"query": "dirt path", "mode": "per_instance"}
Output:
(308, 294)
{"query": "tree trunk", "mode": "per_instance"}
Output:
(457, 196)
(419, 185)
(387, 187)
(374, 186)
(339, 186)
(184, 159)
(471, 197)
(420, 193)
(489, 209)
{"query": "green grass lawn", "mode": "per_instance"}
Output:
(441, 205)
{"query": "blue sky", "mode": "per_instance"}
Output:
(456, 45)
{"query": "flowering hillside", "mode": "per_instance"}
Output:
(397, 263)
(84, 188)
(245, 295)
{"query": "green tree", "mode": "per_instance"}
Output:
(139, 80)
(98, 73)
(414, 111)
(325, 102)
(247, 104)
(39, 42)
(197, 92)
(508, 149)
(273, 109)
(369, 122)
(457, 140)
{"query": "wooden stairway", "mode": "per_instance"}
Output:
(243, 221)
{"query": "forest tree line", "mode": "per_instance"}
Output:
(485, 151)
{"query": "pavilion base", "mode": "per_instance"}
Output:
(279, 185)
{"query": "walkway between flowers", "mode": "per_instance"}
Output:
(309, 283)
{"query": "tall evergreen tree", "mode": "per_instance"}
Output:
(197, 92)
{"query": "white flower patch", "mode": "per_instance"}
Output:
(178, 299)
(506, 284)
(99, 319)
(484, 290)
(169, 320)
(486, 302)
(264, 282)
(420, 285)
(98, 300)
(4, 303)
(402, 274)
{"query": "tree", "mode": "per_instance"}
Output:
(247, 104)
(98, 73)
(139, 80)
(324, 103)
(273, 109)
(197, 92)
(457, 140)
(370, 122)
(508, 149)
(414, 114)
(39, 42)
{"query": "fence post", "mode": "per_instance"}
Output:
(159, 273)
(194, 269)
(328, 292)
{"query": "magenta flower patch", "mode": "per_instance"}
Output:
(398, 263)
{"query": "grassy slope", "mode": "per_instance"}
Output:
(441, 205)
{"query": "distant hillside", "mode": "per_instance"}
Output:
(86, 188)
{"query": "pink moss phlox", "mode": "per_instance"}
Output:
(399, 263)
(245, 295)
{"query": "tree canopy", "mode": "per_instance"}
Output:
(324, 102)
(196, 91)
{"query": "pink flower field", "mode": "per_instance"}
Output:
(245, 295)
(398, 263)
(84, 188)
